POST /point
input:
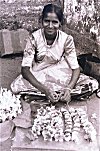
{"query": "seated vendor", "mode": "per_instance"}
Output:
(50, 63)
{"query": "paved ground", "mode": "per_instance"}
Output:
(10, 68)
(92, 104)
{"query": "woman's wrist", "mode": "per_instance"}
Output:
(45, 90)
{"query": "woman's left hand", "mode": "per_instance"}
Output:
(65, 96)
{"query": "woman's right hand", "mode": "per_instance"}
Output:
(52, 96)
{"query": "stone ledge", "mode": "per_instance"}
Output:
(12, 42)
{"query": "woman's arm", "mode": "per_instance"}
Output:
(74, 78)
(52, 96)
(32, 80)
(27, 61)
(65, 95)
(71, 59)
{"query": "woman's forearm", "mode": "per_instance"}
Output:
(32, 80)
(74, 78)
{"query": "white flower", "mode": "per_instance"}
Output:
(10, 105)
(62, 125)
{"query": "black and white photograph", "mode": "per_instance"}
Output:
(49, 75)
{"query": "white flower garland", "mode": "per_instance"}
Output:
(62, 125)
(10, 105)
(49, 123)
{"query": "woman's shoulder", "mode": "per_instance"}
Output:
(65, 34)
(36, 33)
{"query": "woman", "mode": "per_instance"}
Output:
(49, 64)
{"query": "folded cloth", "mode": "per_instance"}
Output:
(84, 89)
(24, 119)
(6, 129)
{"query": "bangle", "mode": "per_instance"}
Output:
(68, 89)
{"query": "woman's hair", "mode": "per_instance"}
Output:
(51, 8)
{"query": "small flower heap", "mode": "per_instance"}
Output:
(10, 105)
(62, 125)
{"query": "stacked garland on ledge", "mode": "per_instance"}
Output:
(62, 125)
(10, 105)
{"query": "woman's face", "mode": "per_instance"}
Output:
(51, 24)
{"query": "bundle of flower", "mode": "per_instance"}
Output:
(62, 125)
(89, 130)
(67, 124)
(10, 105)
(72, 125)
(49, 123)
(78, 119)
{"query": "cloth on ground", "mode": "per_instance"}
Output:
(24, 119)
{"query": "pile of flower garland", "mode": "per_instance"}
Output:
(62, 125)
(10, 105)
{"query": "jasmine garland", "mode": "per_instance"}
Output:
(62, 125)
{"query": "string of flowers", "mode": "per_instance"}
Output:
(62, 125)
(10, 105)
(49, 123)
